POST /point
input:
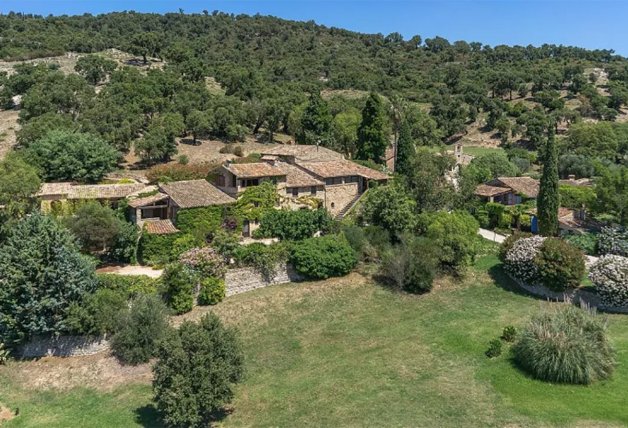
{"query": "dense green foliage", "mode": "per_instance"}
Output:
(569, 345)
(324, 257)
(157, 249)
(411, 265)
(212, 291)
(64, 156)
(201, 222)
(95, 226)
(197, 366)
(140, 329)
(389, 207)
(18, 183)
(548, 199)
(455, 235)
(130, 285)
(42, 274)
(560, 264)
(98, 313)
(373, 131)
(178, 288)
(293, 225)
(613, 240)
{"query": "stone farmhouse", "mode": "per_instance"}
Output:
(508, 190)
(303, 174)
(303, 171)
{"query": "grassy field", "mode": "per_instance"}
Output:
(346, 352)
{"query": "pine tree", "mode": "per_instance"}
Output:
(405, 148)
(372, 134)
(548, 192)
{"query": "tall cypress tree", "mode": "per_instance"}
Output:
(405, 148)
(372, 133)
(548, 193)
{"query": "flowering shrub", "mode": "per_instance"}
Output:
(204, 262)
(613, 240)
(520, 258)
(212, 291)
(610, 276)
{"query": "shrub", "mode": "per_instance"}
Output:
(212, 291)
(183, 159)
(42, 273)
(560, 264)
(610, 277)
(4, 354)
(568, 345)
(293, 225)
(178, 288)
(264, 258)
(238, 151)
(494, 348)
(509, 334)
(196, 368)
(509, 242)
(226, 244)
(587, 242)
(124, 246)
(204, 262)
(613, 240)
(95, 225)
(324, 257)
(130, 285)
(411, 265)
(456, 236)
(178, 172)
(520, 258)
(140, 329)
(183, 243)
(98, 313)
(156, 250)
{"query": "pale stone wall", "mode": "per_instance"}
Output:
(577, 295)
(246, 279)
(339, 196)
(64, 346)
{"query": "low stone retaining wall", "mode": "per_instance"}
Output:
(64, 346)
(245, 279)
(577, 295)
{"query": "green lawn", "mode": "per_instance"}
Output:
(480, 151)
(347, 352)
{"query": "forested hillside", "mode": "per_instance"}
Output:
(138, 83)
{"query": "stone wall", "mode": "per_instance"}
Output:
(246, 279)
(64, 346)
(577, 295)
(338, 196)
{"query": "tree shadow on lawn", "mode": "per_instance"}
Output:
(148, 416)
(505, 282)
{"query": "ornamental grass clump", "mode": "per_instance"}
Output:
(567, 345)
(519, 260)
(610, 277)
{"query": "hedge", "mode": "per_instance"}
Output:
(156, 249)
(293, 225)
(201, 222)
(131, 285)
(324, 257)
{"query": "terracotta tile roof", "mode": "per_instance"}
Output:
(254, 170)
(195, 193)
(296, 177)
(342, 168)
(147, 200)
(527, 186)
(160, 227)
(488, 191)
(90, 191)
(54, 189)
(303, 152)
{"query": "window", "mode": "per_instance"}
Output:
(313, 190)
(352, 179)
(250, 182)
(332, 181)
(295, 191)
